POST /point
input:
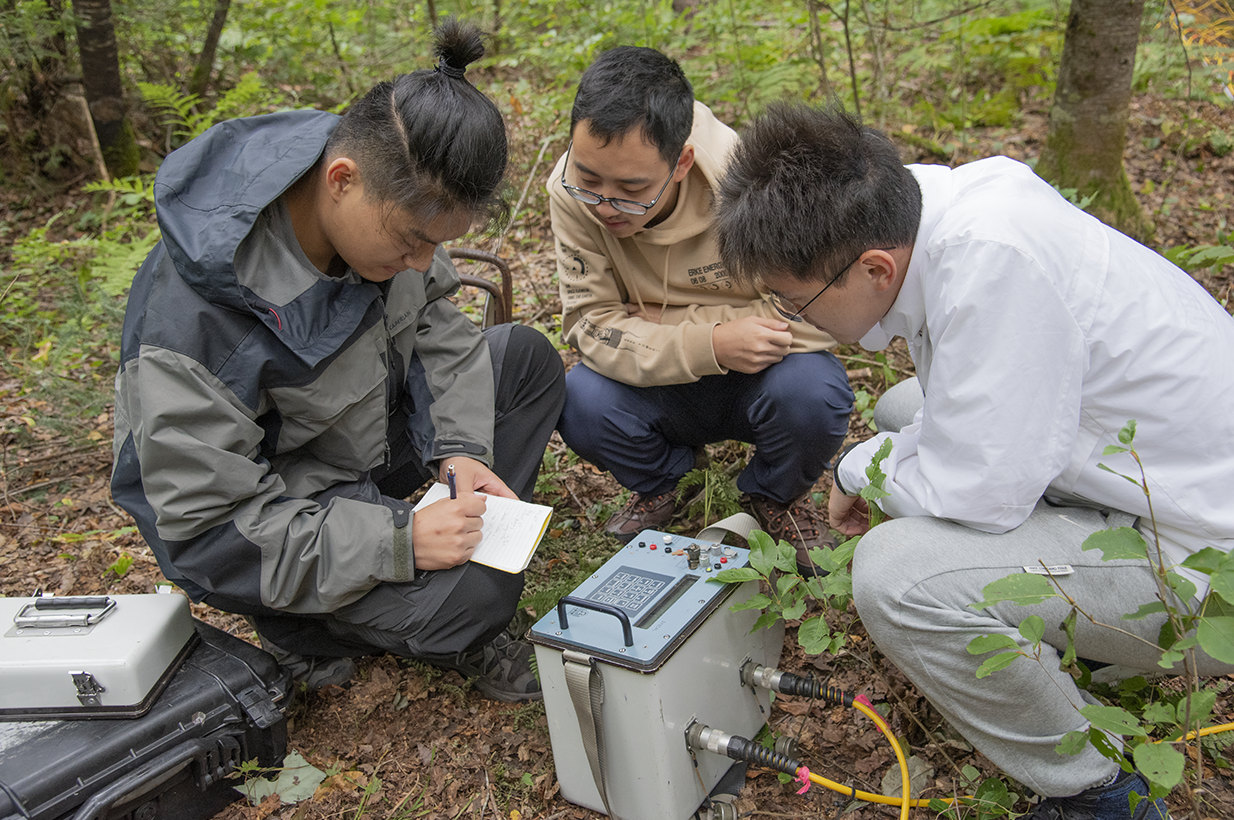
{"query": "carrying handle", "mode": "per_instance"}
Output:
(626, 631)
(104, 603)
(214, 757)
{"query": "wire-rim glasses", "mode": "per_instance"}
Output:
(790, 311)
(626, 206)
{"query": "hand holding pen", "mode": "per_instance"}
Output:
(445, 533)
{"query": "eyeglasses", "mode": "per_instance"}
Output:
(793, 313)
(626, 206)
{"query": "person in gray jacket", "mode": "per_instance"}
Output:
(292, 368)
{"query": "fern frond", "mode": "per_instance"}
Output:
(115, 263)
(176, 108)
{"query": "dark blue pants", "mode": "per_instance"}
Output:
(795, 413)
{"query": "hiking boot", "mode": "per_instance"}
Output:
(642, 512)
(501, 669)
(1108, 802)
(313, 672)
(798, 523)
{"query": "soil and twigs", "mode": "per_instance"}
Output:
(406, 740)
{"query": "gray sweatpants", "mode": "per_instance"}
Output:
(913, 582)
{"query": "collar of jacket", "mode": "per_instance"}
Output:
(208, 195)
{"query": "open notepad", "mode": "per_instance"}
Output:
(512, 529)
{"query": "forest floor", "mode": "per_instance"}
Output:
(406, 740)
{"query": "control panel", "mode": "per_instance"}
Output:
(644, 602)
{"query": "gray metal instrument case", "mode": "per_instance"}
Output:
(225, 704)
(635, 655)
(89, 656)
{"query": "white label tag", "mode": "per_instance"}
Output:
(1055, 569)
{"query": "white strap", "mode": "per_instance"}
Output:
(740, 523)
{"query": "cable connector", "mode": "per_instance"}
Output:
(705, 738)
(786, 683)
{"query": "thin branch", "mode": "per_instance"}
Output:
(1182, 42)
(527, 185)
(944, 18)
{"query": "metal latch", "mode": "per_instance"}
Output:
(88, 689)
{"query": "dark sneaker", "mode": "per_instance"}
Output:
(798, 523)
(642, 512)
(314, 672)
(1109, 802)
(500, 670)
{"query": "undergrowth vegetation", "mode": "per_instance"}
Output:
(929, 72)
(951, 81)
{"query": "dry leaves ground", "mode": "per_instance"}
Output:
(409, 741)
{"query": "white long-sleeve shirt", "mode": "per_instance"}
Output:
(1037, 333)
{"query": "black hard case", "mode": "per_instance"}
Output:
(226, 705)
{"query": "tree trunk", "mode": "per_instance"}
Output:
(100, 71)
(200, 80)
(1088, 120)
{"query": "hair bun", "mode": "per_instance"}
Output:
(457, 45)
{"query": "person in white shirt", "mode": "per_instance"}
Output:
(1037, 333)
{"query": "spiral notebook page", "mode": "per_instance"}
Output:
(512, 529)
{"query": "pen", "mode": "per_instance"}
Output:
(450, 479)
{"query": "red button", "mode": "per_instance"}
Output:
(723, 560)
(653, 546)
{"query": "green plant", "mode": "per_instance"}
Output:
(1209, 627)
(717, 495)
(1197, 257)
(184, 113)
(121, 566)
(863, 406)
(990, 798)
(788, 592)
(1071, 195)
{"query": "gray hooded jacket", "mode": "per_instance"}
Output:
(253, 400)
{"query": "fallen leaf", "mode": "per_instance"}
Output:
(342, 782)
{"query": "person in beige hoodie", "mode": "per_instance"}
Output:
(676, 354)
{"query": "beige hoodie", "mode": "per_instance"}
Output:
(674, 264)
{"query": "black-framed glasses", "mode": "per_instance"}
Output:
(626, 206)
(793, 313)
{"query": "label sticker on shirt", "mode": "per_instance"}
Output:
(1051, 569)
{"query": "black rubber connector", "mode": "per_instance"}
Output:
(741, 749)
(791, 684)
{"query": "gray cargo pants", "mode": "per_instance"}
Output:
(913, 582)
(445, 611)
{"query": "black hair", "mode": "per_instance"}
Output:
(810, 189)
(634, 87)
(429, 142)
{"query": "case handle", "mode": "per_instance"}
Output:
(214, 757)
(104, 603)
(626, 631)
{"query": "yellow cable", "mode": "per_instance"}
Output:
(905, 802)
(895, 745)
(1210, 730)
(869, 797)
(1205, 732)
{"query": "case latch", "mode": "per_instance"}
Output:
(259, 707)
(88, 689)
